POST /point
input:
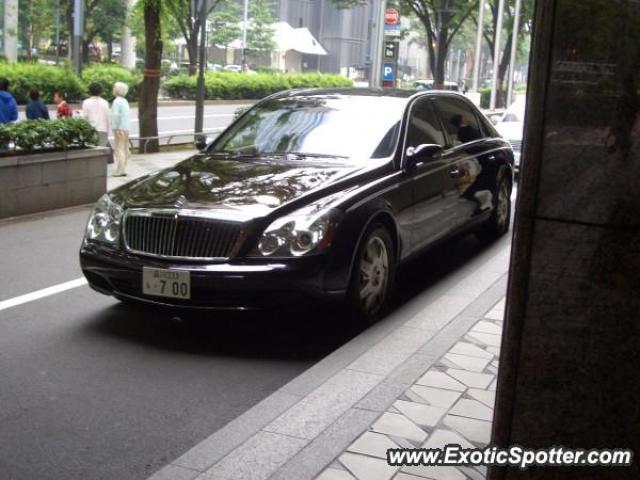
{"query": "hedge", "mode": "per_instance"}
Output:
(33, 135)
(23, 77)
(244, 86)
(107, 75)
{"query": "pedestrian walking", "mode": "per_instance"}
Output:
(63, 110)
(8, 105)
(36, 110)
(96, 110)
(120, 126)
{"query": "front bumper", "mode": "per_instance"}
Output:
(245, 284)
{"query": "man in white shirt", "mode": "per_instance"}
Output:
(96, 110)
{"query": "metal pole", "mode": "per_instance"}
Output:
(201, 66)
(514, 47)
(496, 57)
(376, 64)
(245, 20)
(78, 26)
(57, 32)
(476, 61)
(10, 30)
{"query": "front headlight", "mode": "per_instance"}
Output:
(104, 222)
(297, 234)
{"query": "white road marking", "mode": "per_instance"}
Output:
(45, 292)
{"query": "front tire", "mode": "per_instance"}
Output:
(373, 275)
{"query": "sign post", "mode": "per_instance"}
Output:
(390, 48)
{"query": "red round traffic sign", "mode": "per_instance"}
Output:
(391, 16)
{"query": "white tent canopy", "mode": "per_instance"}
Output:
(286, 38)
(299, 39)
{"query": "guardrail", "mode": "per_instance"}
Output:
(169, 136)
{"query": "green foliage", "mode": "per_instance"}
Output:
(259, 31)
(243, 86)
(24, 77)
(225, 28)
(105, 19)
(34, 135)
(485, 97)
(45, 78)
(106, 75)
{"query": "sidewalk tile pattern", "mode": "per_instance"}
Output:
(451, 403)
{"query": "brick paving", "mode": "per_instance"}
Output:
(451, 403)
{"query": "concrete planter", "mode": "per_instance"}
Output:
(46, 181)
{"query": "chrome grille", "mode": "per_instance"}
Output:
(171, 235)
(516, 145)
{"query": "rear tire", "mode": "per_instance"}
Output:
(373, 275)
(498, 223)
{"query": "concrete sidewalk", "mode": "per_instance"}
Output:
(143, 164)
(423, 376)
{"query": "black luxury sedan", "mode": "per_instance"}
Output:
(308, 194)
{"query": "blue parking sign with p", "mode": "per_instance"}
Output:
(387, 72)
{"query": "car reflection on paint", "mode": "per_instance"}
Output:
(309, 194)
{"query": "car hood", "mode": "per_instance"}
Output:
(240, 187)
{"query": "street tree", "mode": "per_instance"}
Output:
(260, 31)
(104, 19)
(489, 34)
(169, 27)
(441, 21)
(188, 15)
(35, 22)
(148, 104)
(225, 28)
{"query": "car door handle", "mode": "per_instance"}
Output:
(455, 173)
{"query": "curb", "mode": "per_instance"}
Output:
(302, 427)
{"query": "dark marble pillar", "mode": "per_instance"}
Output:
(570, 362)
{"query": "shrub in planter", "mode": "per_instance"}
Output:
(108, 74)
(45, 135)
(23, 77)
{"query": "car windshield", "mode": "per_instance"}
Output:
(321, 125)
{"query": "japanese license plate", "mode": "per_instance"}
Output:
(161, 282)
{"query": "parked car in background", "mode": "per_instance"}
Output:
(308, 194)
(232, 68)
(429, 85)
(511, 127)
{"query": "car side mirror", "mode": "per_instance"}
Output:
(425, 151)
(201, 143)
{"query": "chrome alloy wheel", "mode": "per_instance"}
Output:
(502, 207)
(374, 275)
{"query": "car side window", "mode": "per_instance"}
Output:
(459, 120)
(424, 126)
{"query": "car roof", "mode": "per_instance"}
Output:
(404, 95)
(350, 91)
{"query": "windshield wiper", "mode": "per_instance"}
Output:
(312, 155)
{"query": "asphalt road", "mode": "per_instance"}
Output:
(93, 389)
(180, 119)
